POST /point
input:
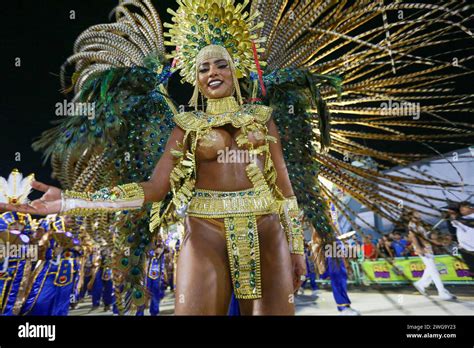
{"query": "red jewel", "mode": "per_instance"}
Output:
(62, 279)
(67, 254)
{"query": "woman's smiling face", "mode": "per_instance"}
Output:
(215, 78)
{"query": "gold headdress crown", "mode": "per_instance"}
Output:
(197, 24)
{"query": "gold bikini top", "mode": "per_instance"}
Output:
(209, 126)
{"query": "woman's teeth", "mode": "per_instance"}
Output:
(215, 83)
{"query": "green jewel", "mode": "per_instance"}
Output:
(237, 284)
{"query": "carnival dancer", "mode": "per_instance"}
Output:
(421, 243)
(154, 280)
(15, 265)
(54, 283)
(241, 216)
(102, 288)
(87, 272)
(335, 270)
(311, 273)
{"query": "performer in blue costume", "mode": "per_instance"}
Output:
(337, 273)
(102, 286)
(88, 271)
(54, 282)
(310, 273)
(14, 231)
(154, 280)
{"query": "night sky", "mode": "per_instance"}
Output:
(42, 36)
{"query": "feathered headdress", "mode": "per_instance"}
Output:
(197, 24)
(214, 29)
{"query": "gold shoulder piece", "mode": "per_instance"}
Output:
(198, 120)
(188, 121)
(262, 113)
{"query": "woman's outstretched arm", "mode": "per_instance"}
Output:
(122, 197)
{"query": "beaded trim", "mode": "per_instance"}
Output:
(244, 256)
(248, 113)
(90, 201)
(222, 105)
(221, 204)
(291, 221)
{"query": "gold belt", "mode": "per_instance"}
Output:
(239, 210)
(222, 204)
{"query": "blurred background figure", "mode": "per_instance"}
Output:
(370, 250)
(420, 239)
(463, 220)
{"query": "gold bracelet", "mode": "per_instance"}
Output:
(105, 200)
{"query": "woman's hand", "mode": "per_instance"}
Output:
(299, 269)
(49, 203)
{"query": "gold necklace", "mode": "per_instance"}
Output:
(222, 105)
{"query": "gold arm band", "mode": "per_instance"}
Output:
(105, 200)
(291, 221)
